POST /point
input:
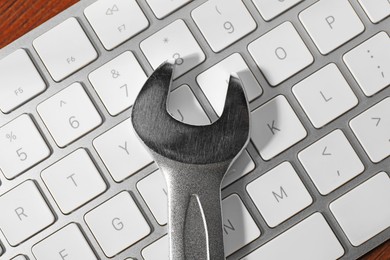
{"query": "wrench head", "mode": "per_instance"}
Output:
(219, 142)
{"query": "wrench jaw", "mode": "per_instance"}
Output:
(160, 132)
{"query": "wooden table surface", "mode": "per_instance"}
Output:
(17, 17)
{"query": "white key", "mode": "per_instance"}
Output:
(18, 257)
(331, 162)
(19, 80)
(65, 49)
(310, 239)
(239, 229)
(369, 63)
(121, 151)
(73, 181)
(280, 53)
(241, 167)
(67, 243)
(175, 41)
(269, 9)
(69, 114)
(223, 22)
(331, 23)
(24, 213)
(214, 81)
(376, 10)
(162, 8)
(184, 106)
(279, 194)
(117, 224)
(153, 190)
(157, 250)
(116, 21)
(118, 82)
(21, 145)
(325, 95)
(372, 128)
(364, 211)
(275, 127)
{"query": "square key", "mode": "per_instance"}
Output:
(65, 49)
(280, 53)
(173, 42)
(116, 21)
(19, 80)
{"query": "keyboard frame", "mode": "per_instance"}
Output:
(320, 203)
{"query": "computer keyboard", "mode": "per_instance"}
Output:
(314, 182)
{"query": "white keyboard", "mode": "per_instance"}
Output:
(313, 183)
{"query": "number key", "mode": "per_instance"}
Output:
(69, 114)
(173, 42)
(21, 146)
(223, 22)
(118, 82)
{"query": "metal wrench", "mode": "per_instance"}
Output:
(193, 160)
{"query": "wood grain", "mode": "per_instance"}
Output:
(17, 17)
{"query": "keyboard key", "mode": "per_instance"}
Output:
(239, 229)
(121, 151)
(65, 49)
(22, 146)
(116, 21)
(372, 128)
(184, 106)
(117, 224)
(67, 243)
(73, 181)
(175, 41)
(369, 63)
(310, 239)
(280, 53)
(269, 9)
(241, 167)
(214, 81)
(24, 213)
(279, 194)
(362, 212)
(376, 10)
(19, 80)
(69, 114)
(118, 82)
(19, 257)
(157, 250)
(153, 190)
(223, 22)
(162, 8)
(331, 162)
(325, 95)
(331, 23)
(275, 127)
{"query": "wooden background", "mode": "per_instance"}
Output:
(20, 16)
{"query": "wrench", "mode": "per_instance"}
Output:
(193, 160)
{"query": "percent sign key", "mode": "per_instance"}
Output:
(11, 137)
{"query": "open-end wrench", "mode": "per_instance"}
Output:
(193, 160)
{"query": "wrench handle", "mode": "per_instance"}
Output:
(194, 211)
